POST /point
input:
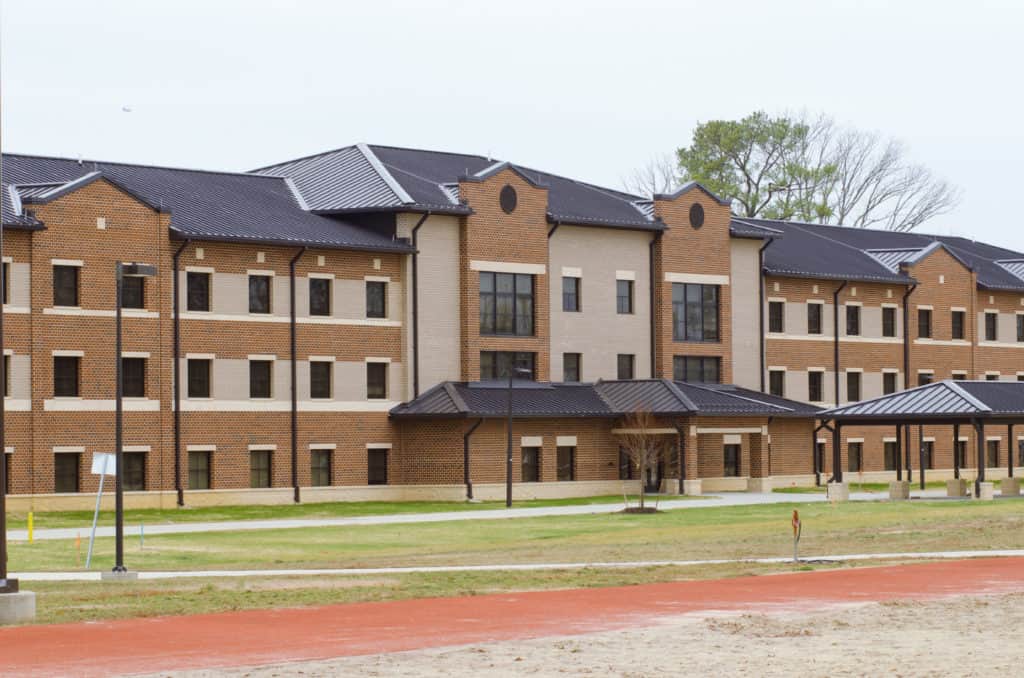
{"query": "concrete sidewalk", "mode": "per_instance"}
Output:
(726, 499)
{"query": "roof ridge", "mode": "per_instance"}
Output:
(585, 183)
(678, 392)
(428, 150)
(963, 393)
(457, 400)
(385, 175)
(732, 394)
(83, 162)
(301, 157)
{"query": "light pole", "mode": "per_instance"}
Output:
(121, 270)
(6, 585)
(512, 371)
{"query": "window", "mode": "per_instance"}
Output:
(625, 362)
(927, 454)
(506, 304)
(959, 376)
(198, 293)
(776, 319)
(259, 294)
(925, 378)
(570, 294)
(260, 378)
(958, 324)
(854, 455)
(133, 377)
(1020, 327)
(65, 472)
(320, 379)
(853, 386)
(777, 382)
(961, 453)
(530, 464)
(198, 378)
(891, 452)
(852, 320)
(992, 377)
(377, 380)
(134, 471)
(697, 369)
(498, 364)
(198, 470)
(731, 461)
(924, 323)
(888, 383)
(570, 367)
(65, 286)
(320, 296)
(7, 471)
(377, 467)
(888, 321)
(625, 465)
(566, 463)
(694, 312)
(133, 292)
(624, 296)
(259, 468)
(991, 327)
(815, 386)
(7, 282)
(814, 318)
(992, 453)
(65, 376)
(7, 376)
(1020, 452)
(819, 452)
(376, 299)
(320, 468)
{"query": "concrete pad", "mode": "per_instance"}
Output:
(838, 492)
(1009, 487)
(119, 576)
(899, 489)
(762, 485)
(956, 487)
(692, 487)
(17, 608)
(987, 491)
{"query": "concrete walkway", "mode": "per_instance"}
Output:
(725, 499)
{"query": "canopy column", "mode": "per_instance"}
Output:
(920, 453)
(956, 451)
(1009, 449)
(979, 432)
(899, 452)
(837, 460)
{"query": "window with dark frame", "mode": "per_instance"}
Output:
(992, 377)
(928, 454)
(958, 324)
(7, 282)
(66, 376)
(376, 466)
(198, 378)
(134, 477)
(852, 320)
(814, 318)
(198, 291)
(776, 316)
(506, 304)
(570, 294)
(1020, 327)
(854, 457)
(625, 465)
(259, 468)
(853, 386)
(888, 383)
(320, 296)
(924, 323)
(133, 377)
(958, 376)
(7, 376)
(320, 468)
(777, 382)
(7, 478)
(66, 472)
(530, 464)
(320, 379)
(731, 461)
(697, 369)
(888, 321)
(625, 363)
(961, 453)
(260, 378)
(1020, 452)
(571, 366)
(925, 378)
(891, 450)
(376, 299)
(65, 286)
(992, 453)
(624, 297)
(377, 381)
(991, 326)
(497, 364)
(815, 386)
(259, 294)
(695, 312)
(566, 463)
(133, 291)
(199, 470)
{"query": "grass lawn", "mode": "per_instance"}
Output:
(873, 487)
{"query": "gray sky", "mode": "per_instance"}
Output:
(588, 89)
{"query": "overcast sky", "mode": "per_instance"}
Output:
(587, 89)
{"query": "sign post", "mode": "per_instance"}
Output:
(103, 464)
(796, 535)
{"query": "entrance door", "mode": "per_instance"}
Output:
(652, 478)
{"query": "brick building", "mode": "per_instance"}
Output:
(321, 329)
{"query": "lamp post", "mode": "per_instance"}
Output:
(122, 269)
(512, 371)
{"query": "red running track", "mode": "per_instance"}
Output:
(257, 637)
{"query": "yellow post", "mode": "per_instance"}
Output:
(30, 531)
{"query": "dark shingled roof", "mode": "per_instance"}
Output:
(960, 400)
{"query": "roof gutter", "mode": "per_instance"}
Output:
(416, 305)
(760, 317)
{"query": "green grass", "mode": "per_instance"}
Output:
(872, 487)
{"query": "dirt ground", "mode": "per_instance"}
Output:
(959, 635)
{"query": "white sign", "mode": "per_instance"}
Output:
(104, 463)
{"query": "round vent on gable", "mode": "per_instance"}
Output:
(696, 215)
(507, 199)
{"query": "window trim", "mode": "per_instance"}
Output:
(630, 298)
(680, 310)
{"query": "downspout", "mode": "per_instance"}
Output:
(654, 316)
(835, 341)
(465, 459)
(416, 307)
(294, 375)
(906, 369)
(760, 296)
(176, 375)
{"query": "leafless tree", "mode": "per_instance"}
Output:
(643, 447)
(659, 175)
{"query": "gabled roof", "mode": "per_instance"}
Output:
(686, 188)
(942, 400)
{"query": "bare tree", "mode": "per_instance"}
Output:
(643, 447)
(659, 175)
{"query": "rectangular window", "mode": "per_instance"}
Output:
(198, 293)
(7, 376)
(991, 327)
(625, 465)
(570, 367)
(624, 296)
(1020, 453)
(927, 454)
(694, 312)
(854, 456)
(992, 453)
(260, 378)
(815, 386)
(133, 292)
(66, 472)
(133, 377)
(992, 377)
(259, 294)
(376, 299)
(924, 323)
(134, 471)
(259, 468)
(530, 464)
(853, 386)
(7, 282)
(961, 453)
(853, 321)
(777, 382)
(925, 378)
(498, 364)
(506, 304)
(198, 470)
(625, 365)
(320, 468)
(958, 324)
(731, 461)
(1020, 328)
(814, 318)
(65, 376)
(320, 379)
(377, 467)
(888, 321)
(566, 463)
(888, 383)
(377, 381)
(959, 376)
(697, 369)
(198, 378)
(320, 296)
(776, 316)
(891, 450)
(570, 294)
(65, 286)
